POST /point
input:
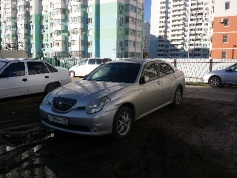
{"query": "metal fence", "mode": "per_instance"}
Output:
(62, 62)
(194, 69)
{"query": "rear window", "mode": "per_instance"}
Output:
(51, 68)
(91, 61)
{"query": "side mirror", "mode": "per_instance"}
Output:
(144, 79)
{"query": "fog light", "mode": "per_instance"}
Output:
(95, 129)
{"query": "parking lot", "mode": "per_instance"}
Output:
(196, 139)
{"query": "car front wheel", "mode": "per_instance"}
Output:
(122, 123)
(51, 86)
(177, 96)
(215, 81)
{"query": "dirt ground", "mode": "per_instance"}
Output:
(196, 139)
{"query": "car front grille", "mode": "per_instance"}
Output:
(63, 104)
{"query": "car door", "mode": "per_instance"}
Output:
(151, 91)
(38, 76)
(168, 81)
(13, 80)
(231, 75)
(81, 68)
(91, 65)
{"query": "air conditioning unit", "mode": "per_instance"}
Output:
(221, 20)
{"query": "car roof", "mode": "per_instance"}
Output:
(138, 61)
(17, 59)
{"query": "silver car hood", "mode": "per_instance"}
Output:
(87, 91)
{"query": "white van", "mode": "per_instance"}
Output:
(86, 65)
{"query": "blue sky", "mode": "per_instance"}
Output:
(148, 10)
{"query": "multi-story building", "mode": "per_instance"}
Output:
(146, 41)
(77, 28)
(224, 39)
(181, 28)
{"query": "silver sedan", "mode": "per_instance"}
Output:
(222, 77)
(112, 97)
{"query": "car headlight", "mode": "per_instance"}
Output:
(97, 105)
(45, 100)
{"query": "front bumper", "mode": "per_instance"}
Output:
(79, 122)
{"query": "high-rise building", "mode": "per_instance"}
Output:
(77, 28)
(146, 41)
(181, 28)
(224, 40)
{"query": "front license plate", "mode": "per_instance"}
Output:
(58, 120)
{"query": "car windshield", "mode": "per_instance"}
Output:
(2, 64)
(83, 62)
(115, 72)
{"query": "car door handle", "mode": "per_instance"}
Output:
(46, 76)
(24, 79)
(159, 82)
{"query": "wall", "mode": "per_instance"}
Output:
(13, 54)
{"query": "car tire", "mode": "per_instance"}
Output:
(122, 123)
(51, 86)
(178, 94)
(215, 81)
(72, 74)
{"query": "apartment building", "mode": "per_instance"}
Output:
(181, 28)
(224, 39)
(76, 28)
(146, 41)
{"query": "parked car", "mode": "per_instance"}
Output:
(112, 97)
(28, 76)
(219, 78)
(86, 65)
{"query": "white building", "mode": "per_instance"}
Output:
(181, 28)
(77, 28)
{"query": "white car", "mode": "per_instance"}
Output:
(28, 76)
(86, 65)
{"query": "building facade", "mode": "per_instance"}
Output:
(181, 28)
(146, 41)
(224, 39)
(75, 28)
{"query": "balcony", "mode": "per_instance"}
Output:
(59, 16)
(60, 5)
(21, 2)
(76, 25)
(59, 38)
(76, 2)
(59, 27)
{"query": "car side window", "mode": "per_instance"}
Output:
(51, 68)
(91, 61)
(234, 68)
(150, 71)
(14, 70)
(98, 61)
(164, 69)
(36, 68)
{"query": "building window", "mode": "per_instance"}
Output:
(227, 5)
(225, 39)
(89, 20)
(226, 22)
(224, 55)
(89, 55)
